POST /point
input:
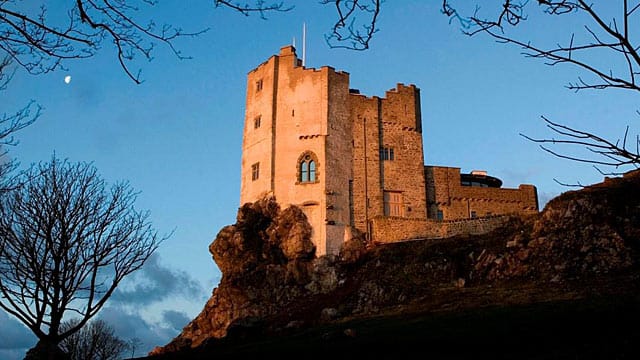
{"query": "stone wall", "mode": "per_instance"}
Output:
(390, 229)
(401, 131)
(367, 184)
(392, 122)
(446, 194)
(339, 156)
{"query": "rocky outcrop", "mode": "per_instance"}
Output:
(589, 232)
(273, 283)
(269, 270)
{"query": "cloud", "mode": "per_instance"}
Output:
(155, 282)
(16, 339)
(175, 319)
(129, 325)
(147, 292)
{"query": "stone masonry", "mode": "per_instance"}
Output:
(346, 159)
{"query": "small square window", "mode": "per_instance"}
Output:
(474, 215)
(440, 215)
(259, 85)
(256, 122)
(255, 171)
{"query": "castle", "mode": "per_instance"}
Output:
(355, 162)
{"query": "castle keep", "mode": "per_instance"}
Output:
(351, 161)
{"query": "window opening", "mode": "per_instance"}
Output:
(312, 171)
(393, 203)
(255, 171)
(307, 167)
(386, 153)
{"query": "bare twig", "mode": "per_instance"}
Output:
(347, 32)
(33, 42)
(611, 154)
(259, 6)
(603, 38)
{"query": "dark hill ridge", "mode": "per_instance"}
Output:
(529, 287)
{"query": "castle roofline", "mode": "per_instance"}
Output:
(290, 50)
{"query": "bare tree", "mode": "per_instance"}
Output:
(96, 340)
(133, 344)
(66, 242)
(604, 34)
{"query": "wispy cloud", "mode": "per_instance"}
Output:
(175, 319)
(130, 325)
(152, 284)
(155, 282)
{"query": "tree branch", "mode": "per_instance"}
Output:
(347, 33)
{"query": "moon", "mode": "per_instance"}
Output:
(67, 79)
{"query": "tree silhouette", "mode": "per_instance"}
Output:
(40, 44)
(96, 340)
(604, 34)
(66, 242)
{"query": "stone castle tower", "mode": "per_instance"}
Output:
(345, 159)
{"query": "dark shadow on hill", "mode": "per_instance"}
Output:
(563, 284)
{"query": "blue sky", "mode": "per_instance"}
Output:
(177, 137)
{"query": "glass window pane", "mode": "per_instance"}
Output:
(312, 170)
(304, 171)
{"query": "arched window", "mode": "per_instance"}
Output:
(307, 168)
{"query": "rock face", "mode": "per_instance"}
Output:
(269, 268)
(273, 283)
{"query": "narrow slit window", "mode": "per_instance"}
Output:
(304, 171)
(255, 171)
(312, 171)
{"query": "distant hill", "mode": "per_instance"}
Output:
(556, 285)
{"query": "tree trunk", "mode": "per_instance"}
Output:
(46, 350)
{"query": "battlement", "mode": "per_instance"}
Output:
(290, 51)
(401, 88)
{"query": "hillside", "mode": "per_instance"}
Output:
(562, 283)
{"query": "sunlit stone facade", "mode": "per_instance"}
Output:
(344, 158)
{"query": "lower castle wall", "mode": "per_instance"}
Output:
(392, 229)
